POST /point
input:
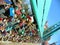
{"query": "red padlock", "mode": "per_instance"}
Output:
(21, 24)
(18, 12)
(33, 31)
(29, 17)
(1, 19)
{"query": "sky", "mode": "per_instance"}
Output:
(54, 17)
(54, 12)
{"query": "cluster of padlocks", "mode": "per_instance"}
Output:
(16, 24)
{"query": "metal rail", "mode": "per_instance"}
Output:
(50, 31)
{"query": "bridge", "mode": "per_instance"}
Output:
(51, 30)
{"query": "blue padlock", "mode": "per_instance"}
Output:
(11, 10)
(8, 1)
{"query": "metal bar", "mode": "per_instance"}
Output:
(38, 10)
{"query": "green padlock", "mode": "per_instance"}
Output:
(23, 31)
(23, 16)
(19, 32)
(23, 11)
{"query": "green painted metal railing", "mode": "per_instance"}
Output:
(41, 9)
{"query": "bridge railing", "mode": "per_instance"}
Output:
(50, 31)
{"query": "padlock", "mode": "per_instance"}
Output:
(2, 2)
(2, 11)
(1, 19)
(18, 12)
(23, 11)
(23, 16)
(21, 24)
(11, 11)
(28, 17)
(19, 6)
(20, 1)
(8, 1)
(7, 6)
(33, 31)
